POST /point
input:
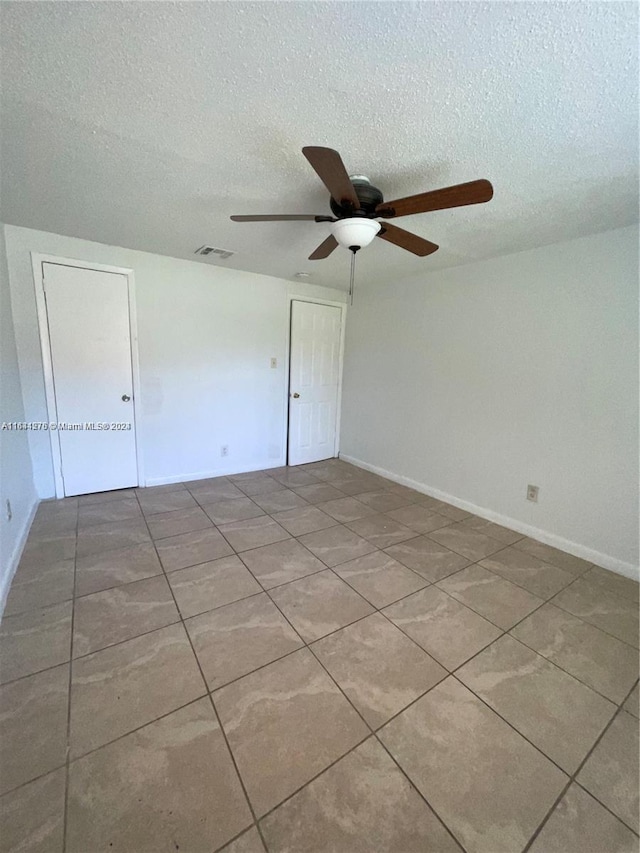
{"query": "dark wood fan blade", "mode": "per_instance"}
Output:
(278, 217)
(331, 171)
(324, 249)
(407, 240)
(474, 192)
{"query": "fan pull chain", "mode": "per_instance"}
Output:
(354, 249)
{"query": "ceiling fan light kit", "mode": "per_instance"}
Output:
(357, 205)
(355, 231)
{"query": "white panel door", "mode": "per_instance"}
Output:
(313, 381)
(90, 341)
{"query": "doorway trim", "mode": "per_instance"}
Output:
(37, 261)
(293, 297)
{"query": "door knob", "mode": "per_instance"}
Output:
(296, 395)
(125, 398)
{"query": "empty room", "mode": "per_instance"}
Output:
(319, 433)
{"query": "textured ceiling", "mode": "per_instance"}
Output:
(147, 124)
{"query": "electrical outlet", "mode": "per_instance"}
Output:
(9, 512)
(532, 493)
(274, 362)
(224, 450)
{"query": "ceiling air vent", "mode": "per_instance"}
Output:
(211, 250)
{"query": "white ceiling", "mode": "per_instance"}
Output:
(147, 124)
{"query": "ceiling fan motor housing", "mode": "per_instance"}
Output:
(368, 196)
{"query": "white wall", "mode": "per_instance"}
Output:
(16, 477)
(478, 380)
(206, 338)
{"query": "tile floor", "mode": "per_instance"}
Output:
(311, 659)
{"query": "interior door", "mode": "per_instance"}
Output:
(90, 341)
(313, 381)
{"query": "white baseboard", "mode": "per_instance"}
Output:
(5, 582)
(604, 560)
(218, 472)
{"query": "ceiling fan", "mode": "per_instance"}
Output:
(357, 205)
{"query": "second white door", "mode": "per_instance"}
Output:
(313, 381)
(90, 345)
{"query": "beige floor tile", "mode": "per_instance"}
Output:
(351, 485)
(293, 478)
(259, 486)
(33, 726)
(59, 505)
(239, 509)
(328, 468)
(122, 510)
(430, 559)
(247, 475)
(33, 816)
(363, 804)
(601, 607)
(611, 771)
(633, 700)
(118, 689)
(489, 786)
(207, 482)
(529, 572)
(490, 595)
(208, 498)
(285, 724)
(448, 630)
(381, 530)
(380, 578)
(419, 518)
(121, 613)
(596, 658)
(249, 842)
(39, 585)
(554, 556)
(208, 492)
(209, 585)
(612, 582)
(253, 533)
(336, 545)
(154, 502)
(320, 604)
(164, 524)
(41, 551)
(110, 496)
(472, 544)
(273, 565)
(279, 501)
(380, 670)
(52, 516)
(495, 531)
(112, 535)
(54, 526)
(168, 786)
(319, 493)
(382, 500)
(579, 824)
(190, 549)
(240, 637)
(156, 490)
(122, 565)
(307, 519)
(404, 491)
(559, 714)
(35, 640)
(346, 509)
(452, 512)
